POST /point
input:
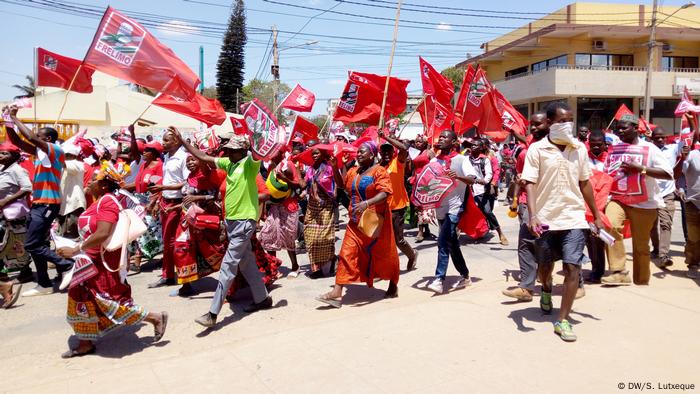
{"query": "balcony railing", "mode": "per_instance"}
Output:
(596, 68)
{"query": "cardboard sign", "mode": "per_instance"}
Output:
(431, 186)
(627, 188)
(267, 136)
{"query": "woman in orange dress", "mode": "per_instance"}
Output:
(364, 258)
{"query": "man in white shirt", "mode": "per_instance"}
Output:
(450, 210)
(641, 215)
(175, 175)
(482, 188)
(661, 233)
(557, 176)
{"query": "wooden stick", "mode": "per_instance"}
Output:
(36, 64)
(411, 115)
(391, 62)
(65, 98)
(610, 124)
(144, 111)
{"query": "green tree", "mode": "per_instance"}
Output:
(454, 74)
(229, 69)
(28, 90)
(319, 120)
(265, 92)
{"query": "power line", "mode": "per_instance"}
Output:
(263, 56)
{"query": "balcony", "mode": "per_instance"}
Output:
(591, 81)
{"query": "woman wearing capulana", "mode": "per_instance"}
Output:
(103, 302)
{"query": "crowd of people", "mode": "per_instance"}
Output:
(209, 208)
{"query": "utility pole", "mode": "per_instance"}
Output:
(275, 70)
(201, 69)
(650, 63)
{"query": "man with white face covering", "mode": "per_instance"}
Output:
(556, 174)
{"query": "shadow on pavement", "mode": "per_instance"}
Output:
(534, 314)
(122, 342)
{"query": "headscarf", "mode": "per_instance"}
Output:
(115, 173)
(372, 146)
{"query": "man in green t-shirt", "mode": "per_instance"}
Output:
(241, 207)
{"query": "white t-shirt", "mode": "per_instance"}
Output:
(72, 193)
(691, 170)
(670, 153)
(453, 203)
(175, 171)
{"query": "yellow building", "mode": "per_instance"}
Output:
(594, 56)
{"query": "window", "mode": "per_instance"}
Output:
(673, 62)
(545, 64)
(516, 71)
(603, 60)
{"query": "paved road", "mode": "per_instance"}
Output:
(471, 340)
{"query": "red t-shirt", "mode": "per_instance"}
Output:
(147, 175)
(105, 210)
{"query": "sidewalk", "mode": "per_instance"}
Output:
(471, 340)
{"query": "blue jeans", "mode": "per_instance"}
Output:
(448, 246)
(36, 243)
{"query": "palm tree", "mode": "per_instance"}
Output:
(29, 89)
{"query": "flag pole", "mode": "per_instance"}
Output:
(411, 115)
(148, 107)
(391, 62)
(65, 97)
(36, 73)
(610, 124)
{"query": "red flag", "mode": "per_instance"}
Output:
(512, 118)
(435, 84)
(460, 105)
(477, 98)
(361, 100)
(299, 99)
(57, 71)
(435, 116)
(645, 127)
(623, 110)
(304, 129)
(473, 222)
(126, 50)
(238, 123)
(199, 107)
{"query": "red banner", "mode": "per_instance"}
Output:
(361, 100)
(435, 84)
(304, 129)
(627, 188)
(126, 50)
(209, 111)
(299, 99)
(435, 117)
(431, 186)
(267, 136)
(57, 71)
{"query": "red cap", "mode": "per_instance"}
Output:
(141, 145)
(154, 145)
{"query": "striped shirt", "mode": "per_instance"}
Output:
(47, 178)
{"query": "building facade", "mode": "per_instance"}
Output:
(595, 57)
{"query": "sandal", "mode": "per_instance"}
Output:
(16, 290)
(326, 299)
(158, 334)
(75, 353)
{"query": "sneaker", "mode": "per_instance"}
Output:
(520, 294)
(620, 278)
(666, 261)
(436, 286)
(580, 293)
(564, 330)
(693, 272)
(461, 283)
(546, 302)
(38, 291)
(207, 320)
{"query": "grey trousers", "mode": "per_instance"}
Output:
(661, 232)
(526, 250)
(239, 255)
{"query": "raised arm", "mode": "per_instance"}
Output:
(134, 154)
(201, 156)
(400, 146)
(28, 133)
